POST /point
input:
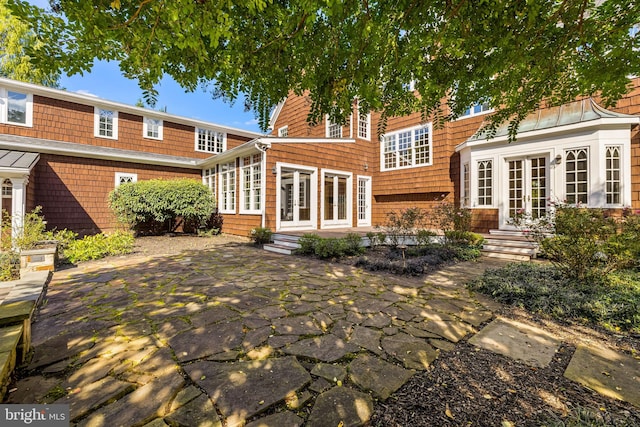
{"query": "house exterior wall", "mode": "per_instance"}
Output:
(73, 192)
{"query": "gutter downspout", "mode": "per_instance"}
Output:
(262, 147)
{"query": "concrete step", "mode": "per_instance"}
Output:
(506, 255)
(279, 249)
(510, 243)
(509, 249)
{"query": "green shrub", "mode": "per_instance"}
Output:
(448, 217)
(33, 231)
(9, 266)
(463, 238)
(157, 205)
(424, 238)
(98, 246)
(612, 302)
(307, 244)
(330, 248)
(260, 235)
(404, 224)
(353, 244)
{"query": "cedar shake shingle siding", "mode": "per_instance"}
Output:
(74, 191)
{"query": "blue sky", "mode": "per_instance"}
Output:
(106, 81)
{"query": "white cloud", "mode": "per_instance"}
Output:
(251, 122)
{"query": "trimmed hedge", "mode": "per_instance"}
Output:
(158, 206)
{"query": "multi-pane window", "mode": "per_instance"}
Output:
(7, 188)
(209, 179)
(613, 171)
(106, 123)
(125, 178)
(364, 125)
(577, 176)
(407, 148)
(283, 132)
(227, 202)
(334, 130)
(152, 128)
(485, 183)
(477, 109)
(252, 183)
(465, 186)
(210, 141)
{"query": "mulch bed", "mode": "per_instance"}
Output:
(475, 387)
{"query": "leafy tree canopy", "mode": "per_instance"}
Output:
(509, 53)
(15, 39)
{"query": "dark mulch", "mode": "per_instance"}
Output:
(475, 387)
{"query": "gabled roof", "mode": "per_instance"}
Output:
(575, 114)
(139, 111)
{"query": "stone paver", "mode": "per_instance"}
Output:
(341, 406)
(529, 344)
(306, 342)
(382, 378)
(607, 372)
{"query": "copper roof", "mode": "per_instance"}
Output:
(567, 114)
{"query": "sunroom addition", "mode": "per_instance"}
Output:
(579, 153)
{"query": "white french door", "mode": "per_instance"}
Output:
(364, 201)
(297, 198)
(336, 199)
(527, 188)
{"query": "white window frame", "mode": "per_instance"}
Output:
(219, 146)
(209, 178)
(330, 126)
(409, 133)
(228, 191)
(125, 177)
(576, 183)
(96, 123)
(4, 108)
(367, 126)
(619, 180)
(472, 113)
(491, 186)
(466, 185)
(253, 187)
(145, 128)
(283, 132)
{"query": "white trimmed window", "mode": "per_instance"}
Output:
(485, 183)
(334, 130)
(577, 176)
(16, 108)
(105, 123)
(283, 132)
(209, 179)
(210, 141)
(125, 178)
(466, 190)
(614, 175)
(152, 128)
(251, 170)
(364, 126)
(477, 109)
(407, 148)
(227, 200)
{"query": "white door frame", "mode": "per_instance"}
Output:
(364, 220)
(335, 222)
(296, 224)
(527, 199)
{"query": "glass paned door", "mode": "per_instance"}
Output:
(336, 199)
(364, 201)
(527, 186)
(295, 198)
